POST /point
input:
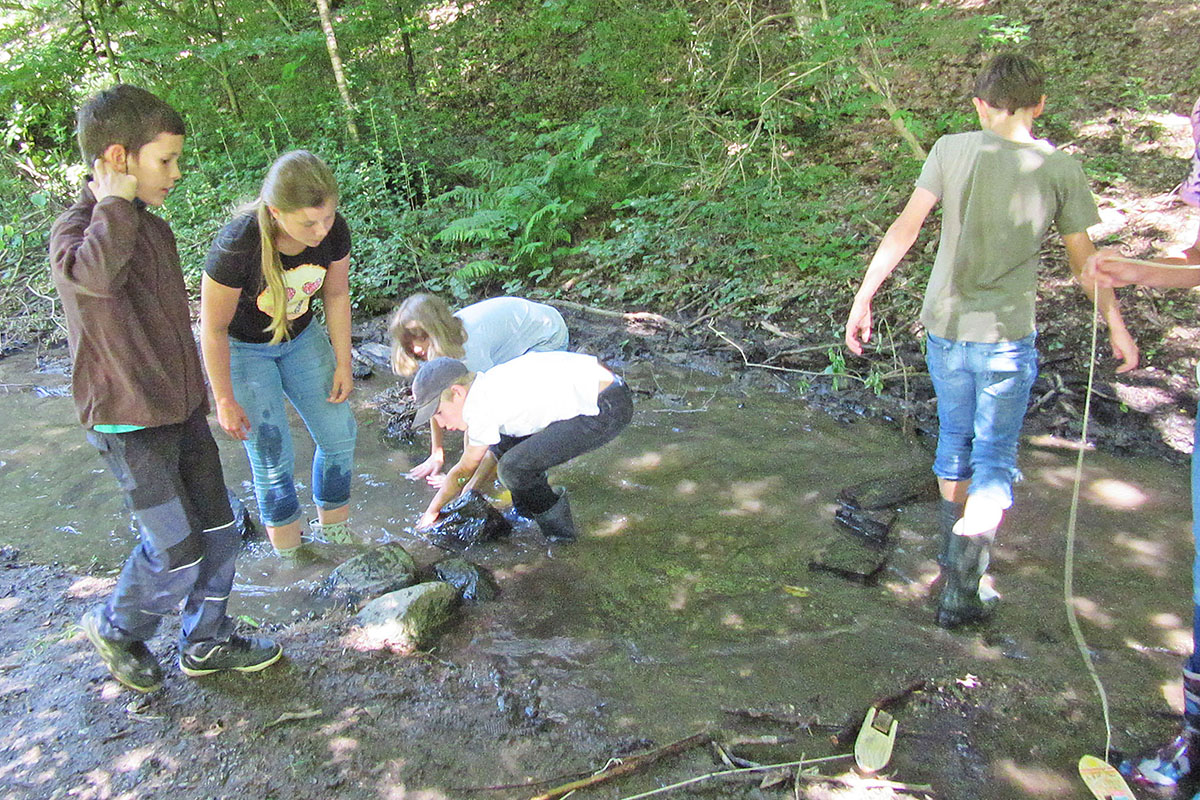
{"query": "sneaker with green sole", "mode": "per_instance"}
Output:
(240, 653)
(131, 663)
(332, 532)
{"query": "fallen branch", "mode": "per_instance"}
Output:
(750, 363)
(645, 317)
(804, 762)
(627, 766)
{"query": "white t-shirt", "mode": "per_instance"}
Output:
(503, 328)
(523, 396)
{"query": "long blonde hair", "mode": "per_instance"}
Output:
(298, 179)
(433, 320)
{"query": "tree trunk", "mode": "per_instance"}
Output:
(335, 59)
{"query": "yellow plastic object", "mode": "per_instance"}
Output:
(1103, 780)
(873, 747)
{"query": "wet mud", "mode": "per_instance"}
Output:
(688, 605)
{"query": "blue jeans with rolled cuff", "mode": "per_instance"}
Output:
(300, 370)
(983, 393)
(1191, 703)
(173, 484)
(523, 460)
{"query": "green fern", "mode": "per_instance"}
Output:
(477, 270)
(485, 225)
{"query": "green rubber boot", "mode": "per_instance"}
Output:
(963, 601)
(948, 514)
(556, 523)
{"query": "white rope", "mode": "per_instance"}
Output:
(1069, 562)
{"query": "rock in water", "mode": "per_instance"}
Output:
(466, 520)
(408, 619)
(383, 569)
(890, 490)
(473, 583)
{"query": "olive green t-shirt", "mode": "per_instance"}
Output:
(999, 199)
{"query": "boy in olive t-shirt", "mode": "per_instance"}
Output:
(1001, 190)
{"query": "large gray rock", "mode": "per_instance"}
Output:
(378, 571)
(408, 619)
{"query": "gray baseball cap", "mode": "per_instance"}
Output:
(433, 378)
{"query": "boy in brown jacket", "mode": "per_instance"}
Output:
(139, 392)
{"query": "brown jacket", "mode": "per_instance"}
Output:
(117, 271)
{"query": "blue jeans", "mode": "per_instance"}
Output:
(300, 369)
(983, 392)
(1193, 663)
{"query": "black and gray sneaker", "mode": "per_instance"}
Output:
(241, 653)
(131, 663)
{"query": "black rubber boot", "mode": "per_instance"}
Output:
(557, 524)
(948, 514)
(961, 602)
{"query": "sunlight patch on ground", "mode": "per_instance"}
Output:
(1088, 609)
(398, 791)
(686, 487)
(747, 497)
(447, 14)
(644, 462)
(1146, 554)
(1034, 781)
(90, 586)
(912, 590)
(1116, 494)
(9, 603)
(342, 748)
(679, 598)
(1176, 634)
(615, 525)
(1172, 692)
(981, 651)
(133, 760)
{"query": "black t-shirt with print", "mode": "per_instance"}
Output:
(235, 260)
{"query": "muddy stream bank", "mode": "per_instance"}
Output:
(689, 604)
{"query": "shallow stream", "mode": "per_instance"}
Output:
(690, 591)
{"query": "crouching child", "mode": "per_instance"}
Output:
(532, 413)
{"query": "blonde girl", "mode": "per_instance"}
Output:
(482, 335)
(262, 344)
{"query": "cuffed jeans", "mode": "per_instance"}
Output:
(173, 484)
(1191, 710)
(523, 460)
(300, 369)
(983, 392)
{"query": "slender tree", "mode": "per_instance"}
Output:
(335, 59)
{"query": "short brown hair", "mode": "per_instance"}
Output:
(125, 115)
(1011, 82)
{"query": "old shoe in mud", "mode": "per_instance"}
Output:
(131, 663)
(963, 601)
(241, 653)
(1168, 766)
(557, 524)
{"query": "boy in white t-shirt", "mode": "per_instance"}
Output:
(534, 412)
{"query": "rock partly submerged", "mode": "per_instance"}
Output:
(407, 620)
(474, 583)
(378, 571)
